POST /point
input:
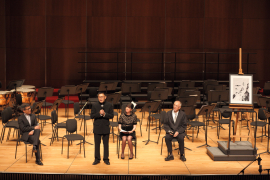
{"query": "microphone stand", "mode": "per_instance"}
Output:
(259, 159)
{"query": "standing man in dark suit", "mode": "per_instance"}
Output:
(101, 112)
(30, 130)
(175, 125)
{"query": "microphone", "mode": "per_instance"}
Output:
(102, 106)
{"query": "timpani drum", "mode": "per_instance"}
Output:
(28, 95)
(5, 97)
(27, 87)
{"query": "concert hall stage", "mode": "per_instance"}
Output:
(149, 161)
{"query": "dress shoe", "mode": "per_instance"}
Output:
(122, 156)
(131, 156)
(170, 157)
(34, 149)
(96, 162)
(107, 162)
(39, 163)
(183, 158)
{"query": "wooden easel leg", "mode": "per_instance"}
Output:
(251, 134)
(235, 126)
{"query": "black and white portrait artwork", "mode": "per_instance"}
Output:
(241, 89)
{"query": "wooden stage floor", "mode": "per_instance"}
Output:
(148, 161)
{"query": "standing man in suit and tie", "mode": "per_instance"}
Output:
(101, 112)
(30, 130)
(175, 125)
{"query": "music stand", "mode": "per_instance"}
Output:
(218, 96)
(150, 107)
(152, 86)
(188, 110)
(168, 89)
(187, 83)
(193, 93)
(56, 104)
(264, 102)
(107, 86)
(159, 94)
(45, 92)
(80, 89)
(84, 121)
(181, 91)
(37, 107)
(113, 98)
(128, 88)
(206, 110)
(15, 84)
(67, 90)
(188, 101)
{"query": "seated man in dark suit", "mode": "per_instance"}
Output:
(30, 130)
(175, 125)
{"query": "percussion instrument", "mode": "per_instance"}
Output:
(5, 97)
(28, 95)
(27, 87)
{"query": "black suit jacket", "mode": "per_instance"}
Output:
(25, 127)
(180, 125)
(101, 124)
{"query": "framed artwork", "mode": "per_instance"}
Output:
(241, 87)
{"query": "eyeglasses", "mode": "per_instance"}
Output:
(27, 109)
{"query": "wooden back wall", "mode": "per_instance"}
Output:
(40, 39)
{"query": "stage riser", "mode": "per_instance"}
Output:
(217, 155)
(237, 148)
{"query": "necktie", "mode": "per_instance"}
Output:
(175, 117)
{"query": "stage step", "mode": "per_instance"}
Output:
(237, 148)
(217, 155)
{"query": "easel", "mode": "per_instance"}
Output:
(239, 108)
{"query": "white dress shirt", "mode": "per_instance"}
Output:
(28, 118)
(174, 115)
